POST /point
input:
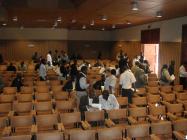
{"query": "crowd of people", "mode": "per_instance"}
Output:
(128, 75)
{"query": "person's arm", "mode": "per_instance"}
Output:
(120, 85)
(133, 80)
(115, 102)
(168, 77)
(112, 85)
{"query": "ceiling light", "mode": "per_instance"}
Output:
(159, 14)
(104, 18)
(59, 19)
(114, 26)
(92, 23)
(84, 27)
(15, 18)
(73, 21)
(4, 24)
(135, 5)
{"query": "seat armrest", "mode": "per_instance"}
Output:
(109, 123)
(85, 125)
(179, 135)
(6, 131)
(131, 120)
(34, 129)
(60, 127)
(154, 137)
(171, 116)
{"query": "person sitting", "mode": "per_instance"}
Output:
(42, 70)
(98, 84)
(22, 66)
(17, 82)
(110, 82)
(108, 101)
(165, 78)
(11, 67)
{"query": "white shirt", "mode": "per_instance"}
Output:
(109, 104)
(83, 82)
(49, 59)
(182, 71)
(42, 71)
(126, 79)
(110, 82)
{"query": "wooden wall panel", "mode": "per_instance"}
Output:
(20, 50)
(170, 51)
(132, 48)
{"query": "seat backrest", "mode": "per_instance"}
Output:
(55, 82)
(82, 135)
(139, 101)
(41, 83)
(117, 114)
(21, 137)
(153, 83)
(114, 133)
(9, 90)
(65, 106)
(24, 97)
(178, 88)
(123, 101)
(46, 120)
(94, 116)
(161, 128)
(138, 112)
(157, 110)
(22, 107)
(50, 136)
(43, 106)
(42, 89)
(168, 97)
(7, 98)
(153, 90)
(138, 131)
(180, 125)
(5, 107)
(21, 121)
(27, 90)
(43, 96)
(61, 95)
(166, 89)
(70, 118)
(153, 98)
(56, 88)
(175, 108)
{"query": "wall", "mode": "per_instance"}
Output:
(23, 49)
(170, 31)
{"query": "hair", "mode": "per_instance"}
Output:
(113, 72)
(84, 68)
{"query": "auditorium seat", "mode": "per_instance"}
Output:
(21, 137)
(60, 96)
(9, 90)
(55, 82)
(44, 108)
(138, 102)
(180, 129)
(5, 109)
(50, 136)
(24, 97)
(166, 89)
(153, 99)
(153, 90)
(123, 101)
(82, 135)
(56, 88)
(153, 83)
(41, 83)
(40, 97)
(24, 108)
(65, 106)
(42, 89)
(7, 98)
(27, 90)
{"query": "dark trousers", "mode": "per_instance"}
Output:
(183, 82)
(127, 93)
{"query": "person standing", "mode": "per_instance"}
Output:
(49, 59)
(127, 82)
(42, 70)
(110, 82)
(82, 84)
(183, 75)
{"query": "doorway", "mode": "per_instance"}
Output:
(151, 53)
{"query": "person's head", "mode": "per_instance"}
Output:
(137, 63)
(116, 66)
(141, 53)
(43, 61)
(22, 63)
(84, 69)
(165, 66)
(11, 64)
(56, 51)
(113, 72)
(108, 72)
(50, 52)
(172, 62)
(105, 94)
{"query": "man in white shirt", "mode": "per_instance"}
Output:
(49, 59)
(110, 82)
(108, 101)
(127, 82)
(183, 74)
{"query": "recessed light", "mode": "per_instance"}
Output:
(84, 27)
(73, 21)
(92, 23)
(114, 26)
(4, 24)
(59, 19)
(104, 18)
(15, 18)
(135, 5)
(159, 14)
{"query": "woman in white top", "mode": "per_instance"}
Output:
(108, 101)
